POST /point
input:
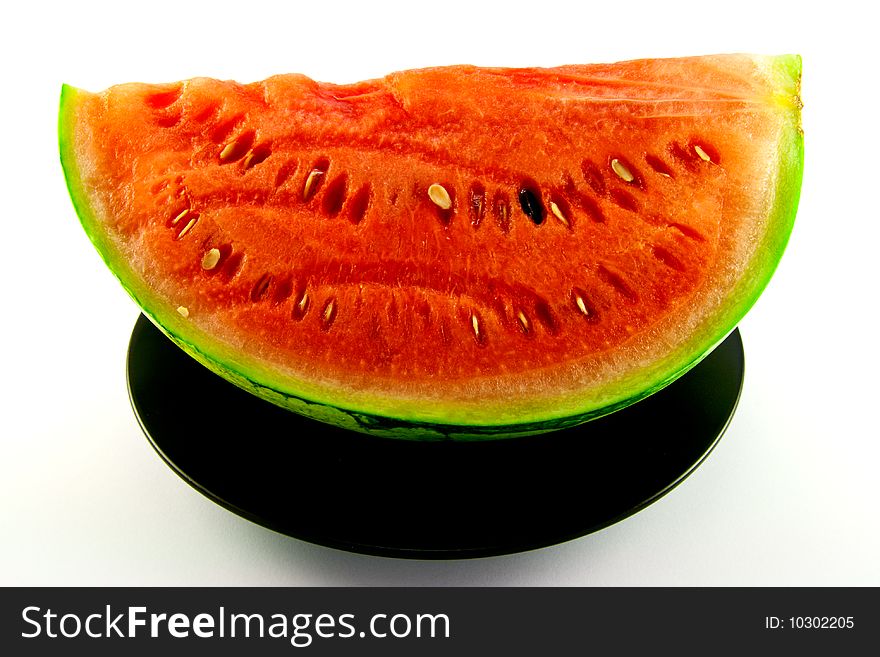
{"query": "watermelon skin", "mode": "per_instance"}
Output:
(414, 418)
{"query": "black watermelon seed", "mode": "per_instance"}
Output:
(531, 205)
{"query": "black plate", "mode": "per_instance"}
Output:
(423, 499)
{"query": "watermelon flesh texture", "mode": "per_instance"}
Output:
(447, 252)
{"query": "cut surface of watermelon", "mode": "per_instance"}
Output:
(453, 251)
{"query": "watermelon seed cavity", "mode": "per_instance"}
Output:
(658, 165)
(616, 281)
(687, 231)
(163, 99)
(477, 205)
(357, 209)
(545, 315)
(257, 155)
(683, 156)
(579, 298)
(221, 132)
(334, 198)
(314, 174)
(624, 200)
(593, 177)
(301, 305)
(664, 256)
(706, 152)
(523, 322)
(589, 206)
(502, 212)
(283, 289)
(314, 179)
(328, 315)
(236, 149)
(286, 171)
(169, 121)
(233, 264)
(261, 287)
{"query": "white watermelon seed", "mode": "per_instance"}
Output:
(183, 310)
(228, 151)
(475, 324)
(210, 259)
(558, 213)
(622, 172)
(581, 305)
(187, 228)
(523, 321)
(310, 182)
(440, 196)
(329, 314)
(179, 217)
(703, 155)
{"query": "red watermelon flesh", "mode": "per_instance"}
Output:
(447, 251)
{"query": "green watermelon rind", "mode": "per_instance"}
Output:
(405, 419)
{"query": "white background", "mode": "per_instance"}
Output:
(789, 497)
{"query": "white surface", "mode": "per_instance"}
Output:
(790, 496)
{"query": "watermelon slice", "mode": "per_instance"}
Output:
(458, 251)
